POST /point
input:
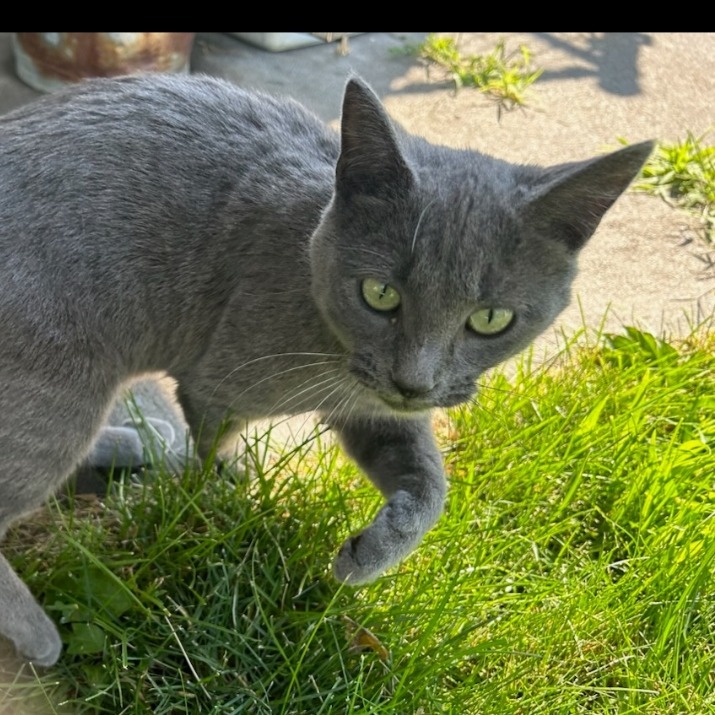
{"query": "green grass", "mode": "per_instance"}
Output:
(572, 572)
(683, 174)
(504, 77)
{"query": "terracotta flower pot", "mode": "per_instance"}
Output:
(49, 60)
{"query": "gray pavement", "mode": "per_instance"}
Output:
(645, 265)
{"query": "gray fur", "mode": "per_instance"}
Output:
(184, 226)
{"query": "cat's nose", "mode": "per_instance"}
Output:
(415, 368)
(411, 390)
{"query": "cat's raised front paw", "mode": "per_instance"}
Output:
(356, 563)
(395, 533)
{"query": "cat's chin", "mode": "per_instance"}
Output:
(407, 410)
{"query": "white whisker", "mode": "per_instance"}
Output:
(353, 394)
(341, 384)
(287, 399)
(234, 370)
(417, 227)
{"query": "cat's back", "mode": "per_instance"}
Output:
(154, 190)
(187, 113)
(159, 129)
(122, 160)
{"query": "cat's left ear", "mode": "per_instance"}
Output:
(574, 197)
(370, 163)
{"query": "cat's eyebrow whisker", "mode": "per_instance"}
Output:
(364, 249)
(261, 294)
(417, 227)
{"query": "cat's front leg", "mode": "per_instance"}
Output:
(401, 458)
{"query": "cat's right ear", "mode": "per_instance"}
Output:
(371, 163)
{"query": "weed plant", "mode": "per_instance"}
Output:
(504, 77)
(683, 174)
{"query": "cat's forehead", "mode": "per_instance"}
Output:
(467, 242)
(446, 171)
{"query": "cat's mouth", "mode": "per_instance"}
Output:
(412, 405)
(406, 405)
(395, 401)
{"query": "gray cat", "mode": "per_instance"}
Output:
(269, 266)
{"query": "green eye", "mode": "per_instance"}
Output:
(490, 321)
(379, 295)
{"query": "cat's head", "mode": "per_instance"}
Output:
(433, 264)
